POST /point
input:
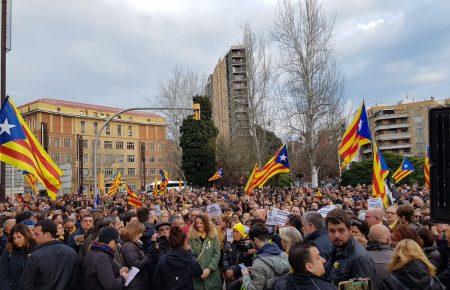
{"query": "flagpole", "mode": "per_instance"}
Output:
(3, 91)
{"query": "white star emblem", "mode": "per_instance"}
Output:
(283, 157)
(360, 124)
(6, 127)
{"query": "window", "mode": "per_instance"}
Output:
(85, 172)
(119, 158)
(56, 157)
(93, 144)
(99, 157)
(131, 171)
(57, 141)
(109, 172)
(108, 158)
(161, 147)
(161, 159)
(108, 144)
(153, 171)
(95, 127)
(130, 131)
(151, 146)
(119, 145)
(130, 145)
(83, 126)
(107, 129)
(85, 158)
(152, 159)
(84, 143)
(68, 158)
(67, 142)
(121, 170)
(119, 130)
(130, 158)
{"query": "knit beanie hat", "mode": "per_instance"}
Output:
(241, 229)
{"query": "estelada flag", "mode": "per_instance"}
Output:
(132, 197)
(217, 175)
(279, 163)
(117, 183)
(249, 186)
(20, 148)
(379, 174)
(405, 169)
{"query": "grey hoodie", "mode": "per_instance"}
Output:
(269, 263)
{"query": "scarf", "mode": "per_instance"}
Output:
(202, 235)
(101, 247)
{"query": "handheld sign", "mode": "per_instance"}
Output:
(230, 235)
(279, 217)
(326, 209)
(214, 210)
(374, 203)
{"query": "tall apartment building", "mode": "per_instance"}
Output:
(401, 128)
(134, 143)
(228, 91)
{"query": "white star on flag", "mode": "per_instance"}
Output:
(283, 157)
(6, 127)
(360, 124)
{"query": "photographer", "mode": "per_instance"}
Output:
(159, 245)
(236, 253)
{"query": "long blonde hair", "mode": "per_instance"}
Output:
(406, 251)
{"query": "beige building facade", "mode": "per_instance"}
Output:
(134, 143)
(402, 128)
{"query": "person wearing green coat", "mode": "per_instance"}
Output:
(204, 243)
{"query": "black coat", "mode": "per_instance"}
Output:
(11, 268)
(434, 256)
(413, 276)
(303, 281)
(176, 270)
(147, 236)
(350, 262)
(134, 256)
(53, 266)
(100, 271)
(234, 254)
(322, 241)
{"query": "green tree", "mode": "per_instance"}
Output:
(198, 143)
(361, 172)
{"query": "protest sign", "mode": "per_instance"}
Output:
(214, 210)
(230, 235)
(157, 209)
(279, 217)
(326, 209)
(374, 203)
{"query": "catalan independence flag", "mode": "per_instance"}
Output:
(250, 183)
(379, 174)
(164, 180)
(279, 163)
(132, 197)
(117, 183)
(20, 148)
(356, 135)
(217, 175)
(31, 180)
(426, 168)
(405, 169)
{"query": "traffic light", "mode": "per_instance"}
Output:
(196, 108)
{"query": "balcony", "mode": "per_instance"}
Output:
(394, 136)
(389, 116)
(395, 146)
(392, 126)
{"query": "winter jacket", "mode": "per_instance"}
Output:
(3, 241)
(11, 267)
(208, 256)
(381, 256)
(270, 262)
(303, 281)
(147, 236)
(444, 276)
(53, 266)
(100, 271)
(413, 276)
(234, 254)
(352, 261)
(71, 240)
(434, 256)
(322, 241)
(134, 256)
(176, 271)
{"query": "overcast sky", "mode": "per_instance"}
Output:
(115, 52)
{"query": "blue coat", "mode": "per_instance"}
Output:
(11, 268)
(322, 241)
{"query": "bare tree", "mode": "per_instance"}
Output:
(311, 80)
(177, 91)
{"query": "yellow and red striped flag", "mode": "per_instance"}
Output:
(426, 169)
(117, 183)
(379, 174)
(132, 197)
(249, 186)
(279, 163)
(32, 181)
(20, 148)
(217, 175)
(356, 135)
(405, 169)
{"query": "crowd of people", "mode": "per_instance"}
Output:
(174, 242)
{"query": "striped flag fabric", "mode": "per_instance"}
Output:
(117, 183)
(217, 175)
(31, 180)
(132, 197)
(405, 169)
(279, 163)
(379, 175)
(20, 148)
(426, 169)
(356, 135)
(249, 186)
(164, 180)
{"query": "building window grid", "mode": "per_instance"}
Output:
(108, 129)
(119, 158)
(131, 171)
(130, 145)
(130, 158)
(83, 126)
(108, 144)
(57, 141)
(119, 145)
(119, 130)
(130, 131)
(68, 142)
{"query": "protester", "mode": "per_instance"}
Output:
(429, 248)
(53, 265)
(391, 216)
(8, 224)
(177, 269)
(204, 243)
(269, 263)
(289, 236)
(15, 256)
(76, 239)
(307, 269)
(380, 251)
(402, 232)
(405, 215)
(359, 231)
(348, 258)
(143, 215)
(374, 216)
(315, 232)
(410, 269)
(100, 269)
(134, 255)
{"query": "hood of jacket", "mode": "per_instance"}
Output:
(193, 233)
(274, 258)
(415, 275)
(314, 235)
(178, 258)
(269, 249)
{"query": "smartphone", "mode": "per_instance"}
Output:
(242, 266)
(359, 284)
